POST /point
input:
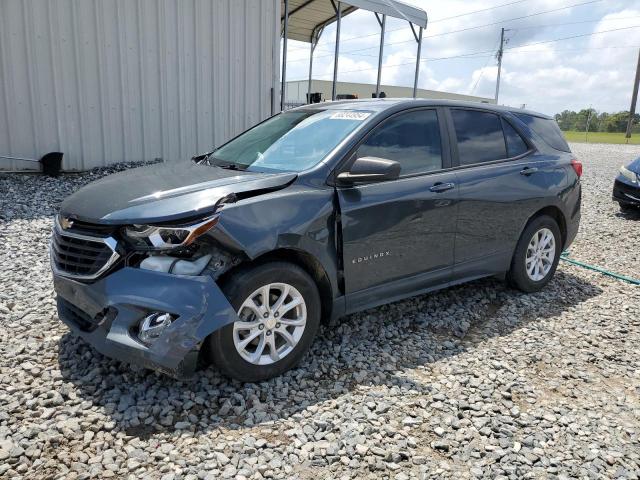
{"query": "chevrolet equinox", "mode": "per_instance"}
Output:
(236, 256)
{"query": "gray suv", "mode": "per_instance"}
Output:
(236, 256)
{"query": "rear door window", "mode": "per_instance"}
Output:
(479, 135)
(515, 143)
(412, 139)
(547, 129)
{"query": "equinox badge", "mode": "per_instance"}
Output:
(373, 256)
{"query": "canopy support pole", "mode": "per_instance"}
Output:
(383, 24)
(315, 38)
(419, 40)
(338, 10)
(313, 47)
(283, 86)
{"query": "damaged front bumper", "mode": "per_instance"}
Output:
(625, 192)
(108, 312)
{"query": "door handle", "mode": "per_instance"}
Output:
(441, 187)
(528, 171)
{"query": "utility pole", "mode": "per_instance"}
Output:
(634, 99)
(499, 56)
(586, 130)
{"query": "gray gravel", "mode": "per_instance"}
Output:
(616, 235)
(474, 381)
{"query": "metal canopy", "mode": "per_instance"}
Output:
(308, 17)
(304, 21)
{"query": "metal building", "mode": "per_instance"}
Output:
(297, 92)
(125, 80)
(106, 81)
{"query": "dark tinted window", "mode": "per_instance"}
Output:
(411, 139)
(480, 137)
(548, 129)
(515, 144)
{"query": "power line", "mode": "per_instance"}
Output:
(485, 53)
(545, 41)
(454, 57)
(328, 53)
(431, 21)
(477, 11)
(460, 30)
(435, 59)
(481, 74)
(579, 49)
(492, 51)
(572, 36)
(575, 23)
(522, 17)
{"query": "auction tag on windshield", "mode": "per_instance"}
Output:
(346, 115)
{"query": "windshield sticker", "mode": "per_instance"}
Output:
(359, 116)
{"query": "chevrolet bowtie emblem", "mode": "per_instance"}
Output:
(66, 223)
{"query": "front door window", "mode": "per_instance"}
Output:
(412, 139)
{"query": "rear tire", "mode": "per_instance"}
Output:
(536, 255)
(272, 336)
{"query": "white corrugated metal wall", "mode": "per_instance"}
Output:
(125, 80)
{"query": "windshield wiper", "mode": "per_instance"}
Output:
(203, 158)
(229, 166)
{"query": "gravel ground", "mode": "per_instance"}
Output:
(607, 238)
(474, 381)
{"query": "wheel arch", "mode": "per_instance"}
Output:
(515, 276)
(555, 213)
(550, 210)
(302, 259)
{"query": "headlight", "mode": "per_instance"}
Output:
(151, 237)
(628, 174)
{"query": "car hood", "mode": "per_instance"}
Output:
(635, 166)
(165, 192)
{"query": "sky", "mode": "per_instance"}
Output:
(590, 70)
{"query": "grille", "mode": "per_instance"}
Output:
(81, 256)
(93, 229)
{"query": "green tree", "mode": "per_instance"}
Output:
(598, 122)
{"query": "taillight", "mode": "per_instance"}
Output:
(577, 166)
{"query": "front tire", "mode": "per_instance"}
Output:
(626, 208)
(537, 255)
(279, 308)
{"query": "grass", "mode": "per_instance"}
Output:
(601, 137)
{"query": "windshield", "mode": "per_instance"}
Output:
(292, 141)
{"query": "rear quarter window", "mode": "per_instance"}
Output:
(479, 135)
(547, 129)
(516, 146)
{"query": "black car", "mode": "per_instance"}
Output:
(626, 188)
(315, 213)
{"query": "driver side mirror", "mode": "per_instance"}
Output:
(370, 169)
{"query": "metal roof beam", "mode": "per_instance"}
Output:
(393, 8)
(321, 13)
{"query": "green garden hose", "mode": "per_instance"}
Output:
(565, 256)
